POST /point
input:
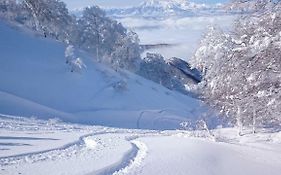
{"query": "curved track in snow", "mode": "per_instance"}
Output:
(135, 164)
(131, 162)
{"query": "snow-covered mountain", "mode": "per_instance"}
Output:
(164, 8)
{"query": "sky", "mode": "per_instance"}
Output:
(75, 4)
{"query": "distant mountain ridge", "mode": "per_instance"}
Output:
(163, 8)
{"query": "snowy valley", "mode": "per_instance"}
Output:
(164, 87)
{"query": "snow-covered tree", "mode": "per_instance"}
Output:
(97, 33)
(5, 7)
(108, 40)
(126, 54)
(69, 53)
(242, 69)
(155, 68)
(50, 17)
(89, 26)
(77, 65)
(11, 10)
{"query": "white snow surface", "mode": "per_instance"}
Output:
(36, 81)
(128, 151)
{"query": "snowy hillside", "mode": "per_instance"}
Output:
(162, 8)
(35, 81)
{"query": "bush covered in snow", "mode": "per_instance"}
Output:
(120, 86)
(75, 63)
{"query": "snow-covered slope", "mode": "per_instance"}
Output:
(35, 81)
(32, 147)
(163, 8)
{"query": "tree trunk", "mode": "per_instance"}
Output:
(239, 121)
(254, 121)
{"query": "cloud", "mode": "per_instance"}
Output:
(185, 33)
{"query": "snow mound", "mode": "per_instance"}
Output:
(90, 143)
(277, 138)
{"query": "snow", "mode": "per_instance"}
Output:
(194, 156)
(90, 143)
(110, 148)
(35, 81)
(135, 165)
(39, 143)
(127, 151)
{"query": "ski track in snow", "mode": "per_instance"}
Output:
(130, 161)
(64, 151)
(42, 155)
(135, 164)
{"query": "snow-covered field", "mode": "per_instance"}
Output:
(32, 146)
